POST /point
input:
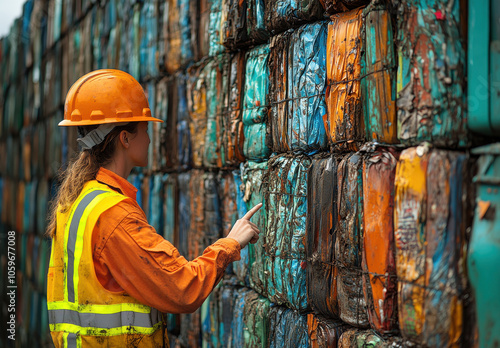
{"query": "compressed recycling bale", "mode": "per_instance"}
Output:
(212, 210)
(197, 107)
(216, 104)
(209, 312)
(197, 226)
(227, 300)
(335, 6)
(184, 146)
(482, 260)
(41, 204)
(237, 324)
(184, 218)
(233, 135)
(234, 207)
(287, 328)
(242, 23)
(256, 320)
(321, 235)
(379, 262)
(324, 333)
(349, 241)
(214, 29)
(233, 23)
(200, 15)
(356, 338)
(176, 45)
(431, 73)
(155, 217)
(255, 186)
(170, 206)
(190, 331)
(167, 100)
(149, 40)
(297, 87)
(378, 71)
(257, 138)
(281, 15)
(344, 121)
(429, 245)
(284, 248)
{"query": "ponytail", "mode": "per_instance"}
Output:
(81, 170)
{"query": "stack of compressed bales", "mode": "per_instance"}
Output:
(268, 101)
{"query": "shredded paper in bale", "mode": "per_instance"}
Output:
(344, 121)
(431, 73)
(428, 220)
(285, 257)
(281, 15)
(378, 75)
(379, 262)
(324, 333)
(255, 186)
(297, 65)
(321, 236)
(349, 241)
(287, 328)
(255, 108)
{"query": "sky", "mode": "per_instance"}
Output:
(9, 10)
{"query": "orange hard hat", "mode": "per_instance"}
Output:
(106, 96)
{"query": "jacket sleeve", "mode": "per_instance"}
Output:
(150, 269)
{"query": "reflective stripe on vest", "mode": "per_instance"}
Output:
(74, 319)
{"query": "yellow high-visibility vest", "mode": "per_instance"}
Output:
(82, 313)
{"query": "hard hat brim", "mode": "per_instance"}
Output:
(68, 123)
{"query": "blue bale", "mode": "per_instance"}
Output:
(297, 66)
(431, 73)
(281, 15)
(256, 147)
(287, 328)
(484, 246)
(255, 187)
(284, 239)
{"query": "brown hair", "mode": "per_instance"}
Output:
(81, 169)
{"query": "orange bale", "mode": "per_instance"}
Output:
(409, 225)
(324, 333)
(344, 119)
(379, 264)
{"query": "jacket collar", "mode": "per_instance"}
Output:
(116, 182)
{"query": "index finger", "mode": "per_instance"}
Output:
(252, 211)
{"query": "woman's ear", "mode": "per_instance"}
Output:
(124, 139)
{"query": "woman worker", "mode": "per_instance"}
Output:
(110, 273)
